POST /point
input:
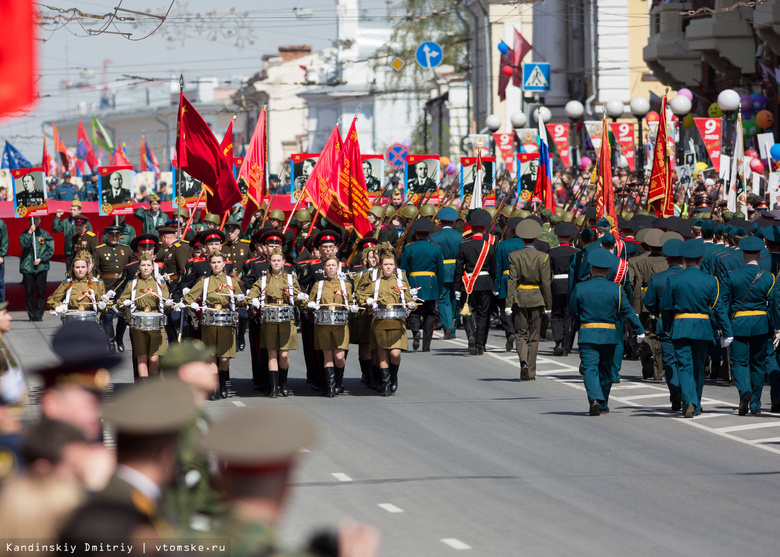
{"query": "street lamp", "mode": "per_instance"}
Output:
(518, 120)
(614, 109)
(681, 106)
(574, 111)
(640, 106)
(544, 113)
(492, 123)
(728, 101)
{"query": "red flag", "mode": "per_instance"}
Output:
(503, 79)
(17, 55)
(119, 158)
(227, 143)
(659, 198)
(84, 148)
(623, 133)
(200, 155)
(709, 128)
(605, 192)
(352, 183)
(59, 147)
(45, 161)
(521, 47)
(322, 185)
(252, 170)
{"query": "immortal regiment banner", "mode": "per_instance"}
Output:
(468, 173)
(115, 190)
(251, 173)
(660, 196)
(560, 138)
(595, 129)
(505, 145)
(352, 185)
(421, 176)
(29, 191)
(301, 167)
(624, 137)
(710, 130)
(736, 192)
(527, 139)
(373, 172)
(527, 164)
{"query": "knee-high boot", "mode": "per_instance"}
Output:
(394, 377)
(384, 385)
(223, 390)
(330, 382)
(365, 367)
(339, 380)
(109, 330)
(274, 379)
(283, 390)
(241, 333)
(121, 325)
(377, 371)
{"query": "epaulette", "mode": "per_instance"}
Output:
(91, 233)
(101, 245)
(196, 259)
(176, 244)
(245, 241)
(253, 259)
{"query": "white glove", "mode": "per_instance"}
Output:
(105, 297)
(411, 305)
(240, 298)
(640, 338)
(414, 291)
(495, 293)
(508, 311)
(256, 303)
(548, 313)
(185, 291)
(181, 305)
(60, 309)
(354, 308)
(101, 305)
(303, 297)
(127, 303)
(313, 305)
(195, 306)
(168, 303)
(371, 302)
(776, 341)
(725, 341)
(457, 296)
(110, 293)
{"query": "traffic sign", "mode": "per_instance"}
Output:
(397, 64)
(536, 76)
(429, 55)
(396, 154)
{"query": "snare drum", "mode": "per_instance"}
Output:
(390, 313)
(331, 317)
(147, 321)
(77, 315)
(278, 314)
(219, 318)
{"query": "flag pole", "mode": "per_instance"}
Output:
(192, 215)
(224, 219)
(35, 249)
(178, 160)
(295, 208)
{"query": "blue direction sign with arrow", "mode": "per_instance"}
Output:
(536, 77)
(429, 55)
(396, 155)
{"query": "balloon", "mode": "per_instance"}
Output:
(765, 119)
(688, 122)
(444, 161)
(701, 167)
(774, 151)
(507, 70)
(751, 153)
(746, 101)
(585, 162)
(407, 143)
(714, 111)
(686, 93)
(750, 128)
(503, 48)
(452, 168)
(652, 116)
(757, 166)
(747, 115)
(759, 101)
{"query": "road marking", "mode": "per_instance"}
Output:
(239, 404)
(455, 543)
(637, 397)
(746, 427)
(389, 507)
(768, 440)
(302, 450)
(341, 477)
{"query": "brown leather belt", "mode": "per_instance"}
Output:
(109, 276)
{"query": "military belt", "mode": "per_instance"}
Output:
(173, 277)
(748, 313)
(597, 326)
(561, 276)
(691, 316)
(422, 274)
(527, 286)
(449, 261)
(109, 275)
(505, 272)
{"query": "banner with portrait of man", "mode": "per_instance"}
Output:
(301, 167)
(468, 172)
(186, 194)
(373, 171)
(421, 176)
(527, 164)
(29, 192)
(115, 190)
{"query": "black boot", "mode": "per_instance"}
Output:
(368, 373)
(283, 390)
(330, 382)
(394, 377)
(384, 384)
(339, 380)
(558, 350)
(241, 333)
(223, 391)
(214, 394)
(110, 334)
(121, 325)
(377, 371)
(274, 379)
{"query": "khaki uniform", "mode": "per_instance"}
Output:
(641, 269)
(82, 294)
(387, 334)
(277, 336)
(174, 259)
(111, 260)
(145, 342)
(332, 337)
(238, 253)
(223, 339)
(86, 242)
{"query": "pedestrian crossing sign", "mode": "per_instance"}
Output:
(536, 77)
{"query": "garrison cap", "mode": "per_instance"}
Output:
(479, 217)
(75, 202)
(528, 229)
(602, 259)
(144, 240)
(328, 236)
(670, 235)
(259, 439)
(423, 225)
(603, 223)
(653, 237)
(448, 214)
(212, 235)
(751, 244)
(587, 234)
(565, 230)
(185, 352)
(152, 408)
(772, 234)
(153, 197)
(692, 249)
(707, 226)
(738, 232)
(672, 247)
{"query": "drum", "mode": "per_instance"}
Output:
(389, 313)
(331, 317)
(77, 315)
(147, 321)
(219, 318)
(278, 314)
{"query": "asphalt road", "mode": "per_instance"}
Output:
(465, 457)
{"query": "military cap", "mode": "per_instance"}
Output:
(152, 408)
(653, 237)
(602, 259)
(591, 213)
(75, 202)
(608, 240)
(738, 232)
(367, 243)
(54, 181)
(167, 229)
(603, 222)
(257, 236)
(623, 224)
(751, 244)
(685, 229)
(112, 229)
(642, 234)
(522, 213)
(670, 235)
(707, 226)
(423, 225)
(587, 234)
(448, 214)
(185, 352)
(512, 223)
(672, 247)
(212, 218)
(546, 215)
(232, 224)
(196, 240)
(479, 218)
(720, 229)
(144, 240)
(761, 204)
(692, 249)
(66, 174)
(507, 211)
(328, 236)
(565, 230)
(528, 229)
(181, 213)
(276, 214)
(154, 197)
(273, 237)
(259, 439)
(772, 234)
(213, 235)
(555, 220)
(303, 215)
(427, 210)
(310, 243)
(83, 219)
(757, 230)
(536, 219)
(567, 216)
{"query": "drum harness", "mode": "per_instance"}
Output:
(319, 291)
(263, 281)
(399, 282)
(132, 295)
(91, 295)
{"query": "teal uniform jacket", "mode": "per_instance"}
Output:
(710, 254)
(599, 301)
(449, 240)
(655, 293)
(746, 292)
(424, 264)
(579, 268)
(690, 300)
(502, 264)
(709, 248)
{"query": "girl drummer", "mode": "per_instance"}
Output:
(333, 293)
(150, 295)
(388, 289)
(276, 289)
(80, 292)
(360, 326)
(222, 293)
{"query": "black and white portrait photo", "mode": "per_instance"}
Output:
(421, 175)
(29, 190)
(372, 170)
(469, 172)
(116, 188)
(190, 187)
(301, 170)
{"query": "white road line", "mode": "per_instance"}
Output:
(239, 403)
(746, 427)
(455, 543)
(341, 477)
(302, 450)
(389, 507)
(768, 440)
(637, 397)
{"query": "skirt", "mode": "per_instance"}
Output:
(222, 339)
(389, 334)
(360, 329)
(279, 336)
(152, 343)
(331, 337)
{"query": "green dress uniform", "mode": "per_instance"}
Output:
(277, 336)
(68, 229)
(143, 293)
(449, 240)
(423, 262)
(387, 334)
(641, 270)
(174, 259)
(690, 301)
(150, 222)
(328, 294)
(34, 276)
(223, 339)
(747, 292)
(82, 294)
(505, 247)
(111, 260)
(238, 253)
(86, 242)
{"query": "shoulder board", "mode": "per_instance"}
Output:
(177, 244)
(251, 260)
(197, 259)
(91, 233)
(101, 245)
(245, 241)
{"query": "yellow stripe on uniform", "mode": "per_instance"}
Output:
(748, 313)
(448, 261)
(422, 274)
(505, 272)
(527, 286)
(597, 326)
(691, 316)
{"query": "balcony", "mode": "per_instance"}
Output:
(667, 53)
(724, 40)
(766, 22)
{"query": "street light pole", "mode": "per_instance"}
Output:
(614, 109)
(574, 111)
(639, 108)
